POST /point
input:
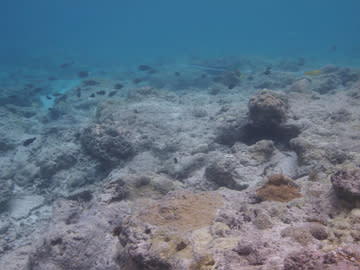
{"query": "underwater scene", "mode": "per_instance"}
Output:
(179, 135)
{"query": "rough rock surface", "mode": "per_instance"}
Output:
(223, 173)
(266, 109)
(106, 144)
(346, 183)
(5, 194)
(340, 259)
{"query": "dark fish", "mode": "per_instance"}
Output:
(267, 71)
(67, 64)
(152, 71)
(56, 94)
(83, 74)
(90, 82)
(112, 93)
(333, 48)
(37, 90)
(29, 85)
(52, 78)
(217, 79)
(48, 97)
(144, 68)
(177, 74)
(118, 86)
(208, 67)
(203, 76)
(101, 92)
(29, 141)
(301, 61)
(137, 80)
(62, 98)
(92, 95)
(78, 92)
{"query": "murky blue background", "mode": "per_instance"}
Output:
(116, 31)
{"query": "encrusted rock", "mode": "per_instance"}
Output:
(300, 86)
(106, 144)
(318, 231)
(266, 109)
(340, 259)
(299, 234)
(222, 172)
(346, 183)
(5, 193)
(262, 150)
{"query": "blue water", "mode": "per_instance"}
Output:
(115, 32)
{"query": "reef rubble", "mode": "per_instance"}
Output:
(208, 169)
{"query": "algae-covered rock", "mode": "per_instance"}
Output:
(172, 233)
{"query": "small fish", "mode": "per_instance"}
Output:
(209, 68)
(177, 74)
(118, 86)
(52, 78)
(78, 92)
(83, 74)
(48, 97)
(67, 64)
(314, 72)
(267, 71)
(137, 80)
(144, 68)
(56, 94)
(29, 141)
(90, 82)
(37, 90)
(112, 93)
(92, 95)
(101, 92)
(333, 48)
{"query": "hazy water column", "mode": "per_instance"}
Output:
(139, 28)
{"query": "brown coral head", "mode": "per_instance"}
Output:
(280, 188)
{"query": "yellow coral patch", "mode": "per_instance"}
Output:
(314, 72)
